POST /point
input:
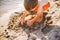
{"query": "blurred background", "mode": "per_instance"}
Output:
(9, 5)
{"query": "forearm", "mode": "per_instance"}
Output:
(37, 16)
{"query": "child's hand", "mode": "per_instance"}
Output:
(22, 21)
(23, 17)
(30, 22)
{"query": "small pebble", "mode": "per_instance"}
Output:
(5, 30)
(2, 26)
(49, 22)
(7, 36)
(48, 18)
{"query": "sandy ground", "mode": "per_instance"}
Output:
(11, 29)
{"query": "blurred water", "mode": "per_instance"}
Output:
(9, 5)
